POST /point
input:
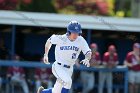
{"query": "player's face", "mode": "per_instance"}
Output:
(73, 36)
(94, 49)
(112, 51)
(137, 50)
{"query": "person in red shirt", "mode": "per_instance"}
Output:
(17, 76)
(110, 61)
(133, 63)
(43, 76)
(88, 77)
(95, 57)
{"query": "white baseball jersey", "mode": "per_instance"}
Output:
(67, 51)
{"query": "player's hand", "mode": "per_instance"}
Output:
(85, 62)
(45, 59)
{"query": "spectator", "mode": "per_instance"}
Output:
(88, 77)
(43, 76)
(95, 57)
(133, 63)
(17, 76)
(3, 51)
(110, 60)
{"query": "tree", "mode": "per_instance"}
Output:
(135, 8)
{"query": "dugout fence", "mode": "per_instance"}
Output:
(28, 64)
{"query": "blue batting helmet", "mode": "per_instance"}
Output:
(74, 27)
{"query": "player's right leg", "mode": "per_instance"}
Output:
(131, 79)
(24, 86)
(57, 87)
(64, 76)
(63, 82)
(109, 82)
(90, 82)
(102, 78)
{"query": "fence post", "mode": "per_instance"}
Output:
(126, 81)
(88, 36)
(13, 41)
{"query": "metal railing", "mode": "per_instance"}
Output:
(30, 64)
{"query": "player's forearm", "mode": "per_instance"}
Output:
(47, 47)
(105, 63)
(46, 50)
(88, 56)
(128, 64)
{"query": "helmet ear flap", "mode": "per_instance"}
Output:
(68, 33)
(80, 34)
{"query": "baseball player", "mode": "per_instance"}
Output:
(132, 61)
(67, 50)
(17, 76)
(88, 77)
(110, 61)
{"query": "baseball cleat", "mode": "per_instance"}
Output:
(40, 89)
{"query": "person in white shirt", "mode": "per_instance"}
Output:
(67, 50)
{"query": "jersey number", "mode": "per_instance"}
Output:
(74, 56)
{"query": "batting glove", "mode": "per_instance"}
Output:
(85, 62)
(45, 59)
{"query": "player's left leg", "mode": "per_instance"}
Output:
(90, 82)
(109, 82)
(102, 79)
(67, 85)
(67, 80)
(24, 86)
(137, 82)
(131, 79)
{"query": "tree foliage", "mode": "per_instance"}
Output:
(119, 8)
